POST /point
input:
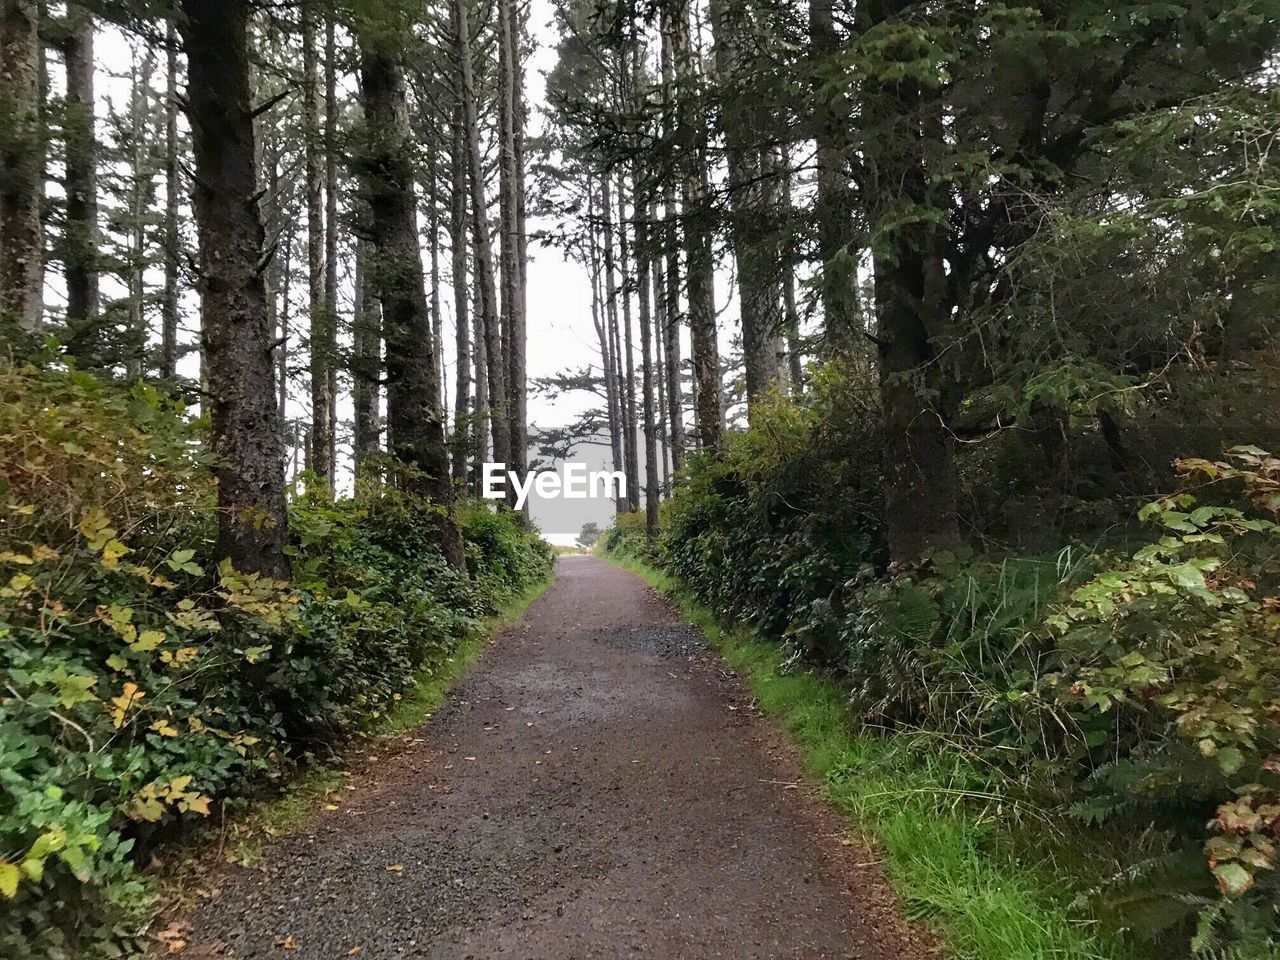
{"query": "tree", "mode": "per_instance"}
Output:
(236, 333)
(21, 166)
(415, 427)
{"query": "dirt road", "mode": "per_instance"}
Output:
(597, 786)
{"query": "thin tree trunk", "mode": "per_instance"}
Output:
(508, 177)
(599, 318)
(170, 306)
(629, 385)
(614, 367)
(646, 363)
(331, 239)
(244, 422)
(494, 357)
(318, 446)
(517, 373)
(458, 249)
(669, 332)
(22, 160)
(660, 323)
(437, 314)
(141, 193)
(480, 419)
(80, 256)
(367, 369)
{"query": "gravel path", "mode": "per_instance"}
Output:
(597, 786)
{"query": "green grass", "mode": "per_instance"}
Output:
(944, 837)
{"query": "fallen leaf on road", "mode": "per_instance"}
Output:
(395, 868)
(287, 943)
(354, 950)
(331, 806)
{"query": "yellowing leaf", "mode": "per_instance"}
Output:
(164, 728)
(147, 640)
(9, 877)
(128, 700)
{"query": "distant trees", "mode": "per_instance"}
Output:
(298, 137)
(876, 182)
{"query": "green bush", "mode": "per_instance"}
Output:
(1134, 692)
(143, 682)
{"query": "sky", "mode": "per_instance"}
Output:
(561, 333)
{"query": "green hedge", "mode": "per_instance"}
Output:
(1134, 694)
(143, 684)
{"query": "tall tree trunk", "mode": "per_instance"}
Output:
(613, 370)
(318, 447)
(517, 374)
(237, 337)
(458, 249)
(669, 331)
(599, 319)
(839, 276)
(415, 428)
(367, 370)
(80, 255)
(910, 299)
(699, 257)
(172, 241)
(22, 160)
(659, 282)
(437, 314)
(141, 194)
(643, 258)
(752, 204)
(497, 385)
(480, 418)
(512, 297)
(629, 375)
(331, 238)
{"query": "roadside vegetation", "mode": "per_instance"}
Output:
(149, 685)
(1062, 752)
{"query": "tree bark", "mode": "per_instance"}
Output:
(629, 375)
(367, 370)
(80, 242)
(911, 304)
(670, 330)
(172, 239)
(517, 374)
(497, 385)
(512, 273)
(331, 239)
(318, 448)
(838, 278)
(462, 420)
(22, 163)
(753, 206)
(699, 258)
(646, 365)
(245, 429)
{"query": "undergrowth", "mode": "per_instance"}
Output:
(930, 812)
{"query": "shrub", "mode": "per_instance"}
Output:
(144, 681)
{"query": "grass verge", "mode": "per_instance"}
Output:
(945, 837)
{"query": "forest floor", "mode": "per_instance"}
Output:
(598, 785)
